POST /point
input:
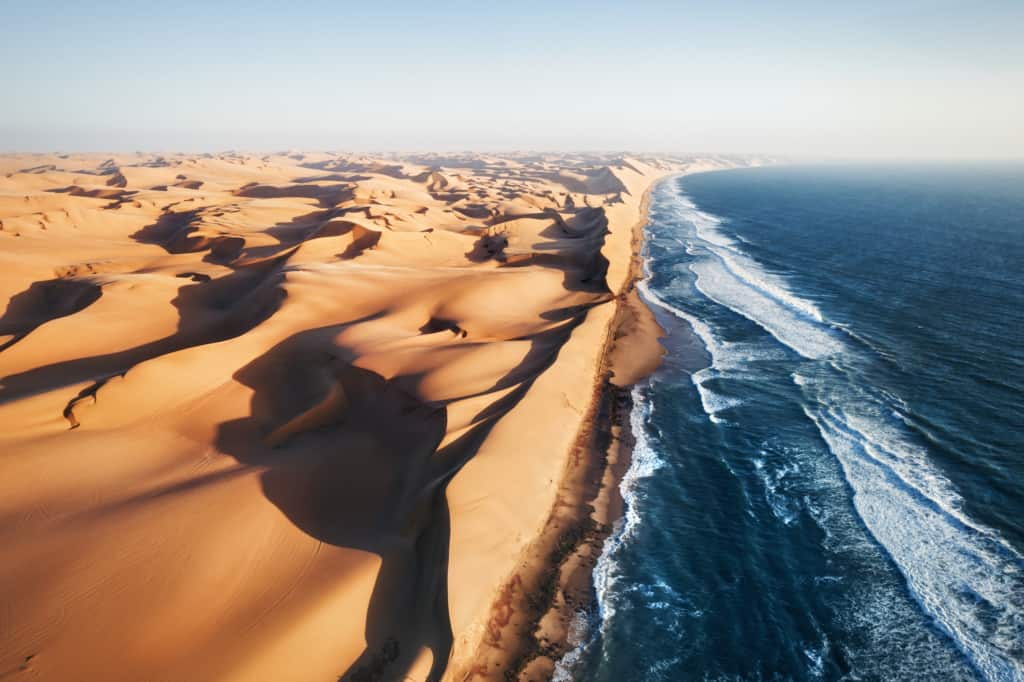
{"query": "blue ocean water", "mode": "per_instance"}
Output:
(828, 480)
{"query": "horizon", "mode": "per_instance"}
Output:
(911, 81)
(759, 159)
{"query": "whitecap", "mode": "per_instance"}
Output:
(808, 338)
(644, 462)
(962, 574)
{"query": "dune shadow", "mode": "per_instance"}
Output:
(575, 249)
(301, 227)
(351, 460)
(209, 310)
(327, 196)
(356, 167)
(490, 246)
(355, 460)
(42, 302)
(363, 239)
(170, 227)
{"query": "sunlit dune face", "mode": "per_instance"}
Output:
(294, 388)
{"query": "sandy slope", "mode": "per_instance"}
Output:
(288, 417)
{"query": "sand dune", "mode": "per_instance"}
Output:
(294, 416)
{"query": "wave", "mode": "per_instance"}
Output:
(708, 228)
(962, 574)
(700, 328)
(712, 402)
(734, 280)
(706, 224)
(807, 338)
(643, 463)
(725, 355)
(784, 507)
(579, 637)
(965, 576)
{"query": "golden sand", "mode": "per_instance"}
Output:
(297, 416)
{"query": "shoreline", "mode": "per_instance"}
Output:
(532, 618)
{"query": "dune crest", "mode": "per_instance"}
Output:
(291, 416)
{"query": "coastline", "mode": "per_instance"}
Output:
(531, 621)
(801, 444)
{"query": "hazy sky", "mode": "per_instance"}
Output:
(823, 78)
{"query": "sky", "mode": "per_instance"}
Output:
(899, 79)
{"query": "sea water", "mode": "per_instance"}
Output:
(828, 478)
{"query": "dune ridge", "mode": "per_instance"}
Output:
(297, 416)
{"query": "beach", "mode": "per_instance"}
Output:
(311, 416)
(801, 487)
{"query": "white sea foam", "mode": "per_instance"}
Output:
(722, 354)
(644, 463)
(579, 636)
(732, 279)
(807, 337)
(712, 402)
(963, 574)
(700, 328)
(706, 224)
(744, 269)
(708, 228)
(876, 427)
(784, 507)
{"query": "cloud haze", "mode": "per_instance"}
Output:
(903, 79)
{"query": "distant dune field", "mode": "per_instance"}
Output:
(291, 417)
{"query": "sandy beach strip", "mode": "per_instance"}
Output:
(530, 621)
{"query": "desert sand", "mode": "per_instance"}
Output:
(303, 416)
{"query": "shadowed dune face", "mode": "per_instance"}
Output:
(350, 460)
(209, 310)
(42, 302)
(326, 195)
(294, 416)
(315, 420)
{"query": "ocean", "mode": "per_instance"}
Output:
(828, 478)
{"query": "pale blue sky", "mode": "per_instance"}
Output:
(939, 78)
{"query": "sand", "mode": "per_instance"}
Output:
(303, 416)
